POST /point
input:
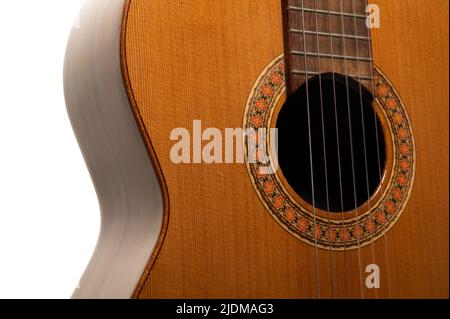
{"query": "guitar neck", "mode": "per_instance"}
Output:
(327, 36)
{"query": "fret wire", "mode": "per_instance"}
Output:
(336, 35)
(362, 77)
(336, 13)
(335, 56)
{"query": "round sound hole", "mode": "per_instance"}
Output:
(346, 139)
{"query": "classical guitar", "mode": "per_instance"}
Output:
(264, 148)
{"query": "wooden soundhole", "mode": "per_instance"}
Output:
(340, 131)
(362, 150)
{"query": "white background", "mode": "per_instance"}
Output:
(49, 215)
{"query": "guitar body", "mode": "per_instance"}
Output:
(207, 231)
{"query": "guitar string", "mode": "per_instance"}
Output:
(355, 25)
(338, 146)
(362, 117)
(385, 236)
(351, 142)
(310, 152)
(324, 148)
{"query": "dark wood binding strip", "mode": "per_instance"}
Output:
(151, 151)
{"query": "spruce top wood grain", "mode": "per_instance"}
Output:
(221, 237)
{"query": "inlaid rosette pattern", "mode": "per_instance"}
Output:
(346, 233)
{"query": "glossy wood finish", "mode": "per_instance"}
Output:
(127, 186)
(187, 60)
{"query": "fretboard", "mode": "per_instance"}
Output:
(324, 36)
